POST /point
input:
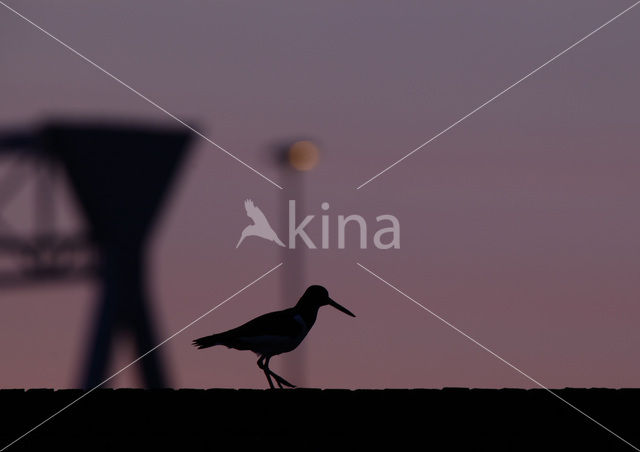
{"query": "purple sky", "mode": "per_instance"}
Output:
(519, 226)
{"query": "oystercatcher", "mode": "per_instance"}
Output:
(276, 332)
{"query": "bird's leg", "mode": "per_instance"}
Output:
(281, 381)
(273, 374)
(266, 370)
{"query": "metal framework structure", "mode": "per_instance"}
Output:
(40, 251)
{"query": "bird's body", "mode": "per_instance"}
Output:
(276, 332)
(272, 334)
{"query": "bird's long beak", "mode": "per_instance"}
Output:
(341, 308)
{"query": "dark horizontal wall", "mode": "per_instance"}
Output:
(313, 419)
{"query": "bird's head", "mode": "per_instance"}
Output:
(318, 296)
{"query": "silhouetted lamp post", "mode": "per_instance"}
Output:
(295, 157)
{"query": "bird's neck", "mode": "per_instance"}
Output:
(308, 314)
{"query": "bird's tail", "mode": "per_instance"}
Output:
(206, 341)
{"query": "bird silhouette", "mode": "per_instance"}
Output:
(276, 332)
(260, 226)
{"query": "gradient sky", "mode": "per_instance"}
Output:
(519, 226)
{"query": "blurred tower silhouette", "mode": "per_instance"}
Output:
(120, 175)
(294, 158)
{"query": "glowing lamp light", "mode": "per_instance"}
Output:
(303, 155)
